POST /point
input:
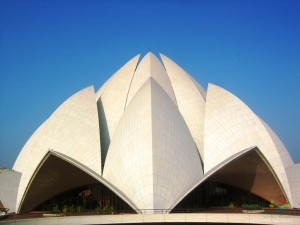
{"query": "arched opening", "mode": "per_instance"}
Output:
(89, 198)
(248, 179)
(57, 184)
(214, 196)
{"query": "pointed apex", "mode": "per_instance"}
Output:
(149, 54)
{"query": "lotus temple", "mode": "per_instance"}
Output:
(153, 145)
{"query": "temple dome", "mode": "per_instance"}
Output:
(152, 134)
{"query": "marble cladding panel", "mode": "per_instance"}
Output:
(150, 67)
(128, 164)
(72, 130)
(230, 126)
(178, 167)
(190, 100)
(114, 97)
(9, 182)
(293, 173)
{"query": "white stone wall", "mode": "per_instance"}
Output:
(293, 173)
(9, 183)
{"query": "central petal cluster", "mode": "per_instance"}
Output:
(150, 152)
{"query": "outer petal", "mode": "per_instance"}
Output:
(231, 126)
(73, 130)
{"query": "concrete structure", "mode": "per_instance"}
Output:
(9, 183)
(153, 136)
(160, 219)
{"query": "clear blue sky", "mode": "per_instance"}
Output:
(51, 49)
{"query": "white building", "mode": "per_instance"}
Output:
(151, 140)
